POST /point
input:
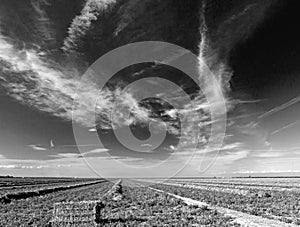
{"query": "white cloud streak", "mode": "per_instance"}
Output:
(82, 23)
(280, 108)
(37, 147)
(284, 128)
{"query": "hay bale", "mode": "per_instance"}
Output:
(83, 213)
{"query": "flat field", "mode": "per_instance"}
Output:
(30, 201)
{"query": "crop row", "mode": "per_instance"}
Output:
(36, 187)
(210, 187)
(7, 198)
(235, 189)
(255, 182)
(26, 181)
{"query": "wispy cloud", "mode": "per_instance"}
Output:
(280, 108)
(266, 171)
(23, 166)
(284, 128)
(44, 24)
(269, 153)
(48, 87)
(82, 23)
(37, 147)
(226, 149)
(94, 153)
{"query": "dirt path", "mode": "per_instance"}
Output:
(243, 219)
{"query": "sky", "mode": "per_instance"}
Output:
(44, 54)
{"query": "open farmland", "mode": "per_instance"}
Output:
(183, 202)
(132, 206)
